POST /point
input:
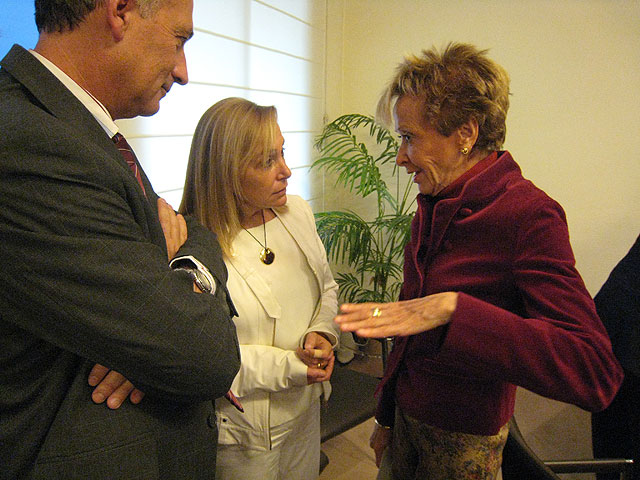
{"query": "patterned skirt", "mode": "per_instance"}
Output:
(420, 451)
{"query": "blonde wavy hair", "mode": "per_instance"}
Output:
(231, 135)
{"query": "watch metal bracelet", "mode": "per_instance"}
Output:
(201, 275)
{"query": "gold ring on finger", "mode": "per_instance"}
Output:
(376, 312)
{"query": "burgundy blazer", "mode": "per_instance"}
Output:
(524, 316)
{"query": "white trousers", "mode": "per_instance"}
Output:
(295, 453)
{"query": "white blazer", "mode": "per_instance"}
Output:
(259, 385)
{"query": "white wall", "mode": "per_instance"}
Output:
(574, 121)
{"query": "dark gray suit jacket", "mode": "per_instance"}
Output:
(85, 279)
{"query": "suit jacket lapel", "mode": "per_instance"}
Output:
(62, 104)
(56, 98)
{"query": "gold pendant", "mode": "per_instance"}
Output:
(267, 256)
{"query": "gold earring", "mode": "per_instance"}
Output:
(464, 150)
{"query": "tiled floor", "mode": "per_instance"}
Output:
(554, 430)
(350, 457)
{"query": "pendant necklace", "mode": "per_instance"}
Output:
(266, 254)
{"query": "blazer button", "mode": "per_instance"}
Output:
(465, 212)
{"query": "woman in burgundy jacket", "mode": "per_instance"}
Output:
(491, 296)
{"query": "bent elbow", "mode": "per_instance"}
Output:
(604, 390)
(221, 377)
(196, 377)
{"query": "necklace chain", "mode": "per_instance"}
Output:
(266, 254)
(252, 236)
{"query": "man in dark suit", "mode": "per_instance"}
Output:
(86, 245)
(616, 430)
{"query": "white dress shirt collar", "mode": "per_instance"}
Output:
(98, 110)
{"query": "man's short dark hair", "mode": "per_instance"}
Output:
(60, 15)
(65, 15)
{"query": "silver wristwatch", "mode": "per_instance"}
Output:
(200, 274)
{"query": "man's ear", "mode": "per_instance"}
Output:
(118, 16)
(468, 133)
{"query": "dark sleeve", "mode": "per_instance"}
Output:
(618, 304)
(85, 270)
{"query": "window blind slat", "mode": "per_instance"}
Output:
(268, 51)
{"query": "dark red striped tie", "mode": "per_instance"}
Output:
(129, 156)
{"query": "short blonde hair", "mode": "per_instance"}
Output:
(456, 85)
(230, 136)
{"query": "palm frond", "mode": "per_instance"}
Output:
(372, 249)
(397, 227)
(352, 291)
(381, 271)
(345, 235)
(342, 153)
(393, 291)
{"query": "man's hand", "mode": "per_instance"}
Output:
(173, 226)
(112, 387)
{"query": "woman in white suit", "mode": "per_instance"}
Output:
(281, 285)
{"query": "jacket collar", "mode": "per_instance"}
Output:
(54, 96)
(56, 99)
(475, 186)
(256, 283)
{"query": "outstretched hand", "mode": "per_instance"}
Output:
(407, 317)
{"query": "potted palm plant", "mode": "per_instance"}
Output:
(367, 250)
